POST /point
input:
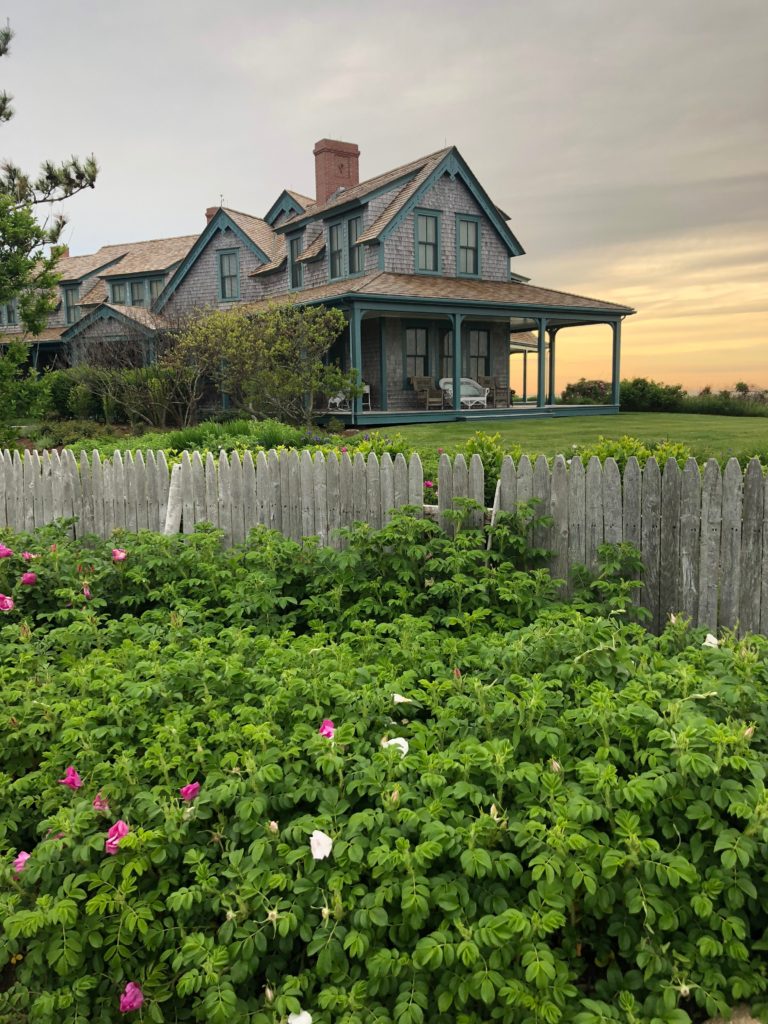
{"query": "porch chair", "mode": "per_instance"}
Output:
(496, 392)
(427, 393)
(472, 394)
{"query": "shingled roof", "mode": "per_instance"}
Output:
(257, 230)
(359, 192)
(154, 256)
(419, 286)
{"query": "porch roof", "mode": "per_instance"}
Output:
(445, 290)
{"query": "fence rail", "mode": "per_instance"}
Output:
(703, 536)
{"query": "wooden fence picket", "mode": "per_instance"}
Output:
(751, 548)
(703, 537)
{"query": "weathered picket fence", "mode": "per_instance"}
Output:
(703, 537)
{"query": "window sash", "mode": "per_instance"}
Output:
(479, 353)
(446, 355)
(297, 270)
(416, 352)
(229, 276)
(336, 250)
(70, 303)
(426, 241)
(118, 292)
(137, 293)
(354, 229)
(468, 247)
(11, 317)
(155, 287)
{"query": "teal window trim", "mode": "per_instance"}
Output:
(465, 218)
(222, 263)
(137, 292)
(9, 313)
(71, 295)
(118, 292)
(336, 235)
(295, 270)
(411, 349)
(435, 217)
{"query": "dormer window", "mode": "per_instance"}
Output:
(155, 287)
(336, 250)
(427, 242)
(119, 292)
(354, 230)
(296, 268)
(70, 304)
(137, 293)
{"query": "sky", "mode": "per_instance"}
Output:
(628, 142)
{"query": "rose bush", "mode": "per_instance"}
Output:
(396, 783)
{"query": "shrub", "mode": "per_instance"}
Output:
(587, 392)
(567, 824)
(642, 395)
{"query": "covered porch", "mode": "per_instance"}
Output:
(396, 345)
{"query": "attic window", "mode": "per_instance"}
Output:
(229, 275)
(297, 270)
(118, 292)
(70, 304)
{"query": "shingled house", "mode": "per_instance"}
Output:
(418, 258)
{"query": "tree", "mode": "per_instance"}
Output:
(28, 249)
(269, 363)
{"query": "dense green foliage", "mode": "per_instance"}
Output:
(575, 828)
(586, 392)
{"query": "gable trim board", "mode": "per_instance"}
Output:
(285, 203)
(106, 311)
(218, 223)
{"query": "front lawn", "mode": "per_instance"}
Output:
(718, 436)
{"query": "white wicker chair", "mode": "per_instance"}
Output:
(473, 395)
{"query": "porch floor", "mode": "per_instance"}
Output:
(382, 417)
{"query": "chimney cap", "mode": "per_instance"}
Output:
(336, 146)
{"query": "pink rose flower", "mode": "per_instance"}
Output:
(100, 803)
(428, 483)
(71, 779)
(327, 728)
(20, 862)
(29, 579)
(5, 552)
(28, 556)
(132, 998)
(86, 591)
(119, 555)
(343, 448)
(6, 603)
(115, 834)
(189, 792)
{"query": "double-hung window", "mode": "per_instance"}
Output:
(427, 242)
(479, 354)
(137, 293)
(229, 276)
(467, 247)
(416, 362)
(155, 287)
(336, 250)
(354, 230)
(446, 354)
(11, 313)
(119, 289)
(70, 304)
(297, 269)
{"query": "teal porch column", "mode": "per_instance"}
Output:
(356, 355)
(525, 376)
(457, 319)
(616, 364)
(552, 331)
(541, 395)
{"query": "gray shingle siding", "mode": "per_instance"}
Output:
(449, 197)
(200, 287)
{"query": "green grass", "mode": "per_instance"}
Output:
(717, 436)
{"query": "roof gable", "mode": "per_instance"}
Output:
(135, 317)
(453, 164)
(248, 229)
(290, 203)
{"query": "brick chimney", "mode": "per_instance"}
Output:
(336, 166)
(210, 213)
